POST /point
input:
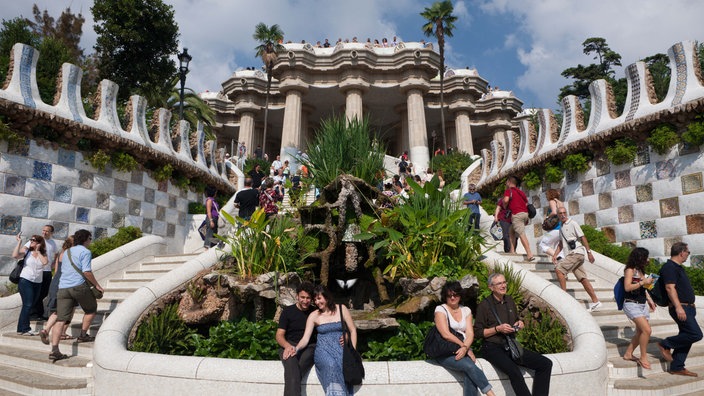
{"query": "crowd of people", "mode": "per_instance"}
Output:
(376, 43)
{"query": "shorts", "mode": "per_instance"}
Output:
(69, 297)
(518, 222)
(572, 263)
(635, 310)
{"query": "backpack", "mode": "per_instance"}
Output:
(619, 293)
(659, 294)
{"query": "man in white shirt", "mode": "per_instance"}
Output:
(37, 311)
(276, 165)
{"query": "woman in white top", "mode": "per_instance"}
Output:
(30, 284)
(548, 243)
(460, 320)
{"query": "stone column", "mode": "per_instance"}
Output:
(463, 132)
(402, 142)
(417, 133)
(353, 104)
(246, 134)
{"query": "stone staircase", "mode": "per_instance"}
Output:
(24, 365)
(626, 378)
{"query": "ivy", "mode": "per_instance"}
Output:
(99, 160)
(663, 138)
(532, 180)
(553, 173)
(576, 163)
(163, 173)
(694, 135)
(622, 151)
(124, 235)
(123, 162)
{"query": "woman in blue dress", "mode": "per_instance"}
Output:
(328, 349)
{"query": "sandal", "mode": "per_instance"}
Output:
(85, 338)
(44, 335)
(645, 365)
(65, 337)
(54, 356)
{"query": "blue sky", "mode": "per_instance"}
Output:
(518, 45)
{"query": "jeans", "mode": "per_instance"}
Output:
(505, 228)
(501, 359)
(38, 308)
(473, 376)
(29, 292)
(690, 332)
(295, 368)
(474, 221)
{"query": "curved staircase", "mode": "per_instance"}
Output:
(24, 365)
(626, 378)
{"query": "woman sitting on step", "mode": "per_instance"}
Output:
(636, 304)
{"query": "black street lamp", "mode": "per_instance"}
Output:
(183, 59)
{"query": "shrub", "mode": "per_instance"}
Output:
(599, 242)
(405, 344)
(99, 160)
(553, 173)
(163, 173)
(663, 138)
(543, 334)
(695, 275)
(576, 163)
(532, 180)
(124, 235)
(694, 135)
(9, 135)
(164, 333)
(622, 151)
(252, 162)
(123, 162)
(181, 182)
(452, 165)
(239, 340)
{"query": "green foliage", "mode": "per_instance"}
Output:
(13, 31)
(163, 173)
(260, 245)
(239, 340)
(54, 54)
(164, 333)
(252, 162)
(195, 291)
(576, 163)
(342, 146)
(135, 45)
(405, 344)
(452, 165)
(695, 275)
(622, 151)
(8, 135)
(10, 289)
(427, 235)
(123, 162)
(124, 235)
(659, 67)
(182, 182)
(543, 334)
(513, 287)
(553, 173)
(532, 180)
(99, 159)
(694, 135)
(663, 138)
(599, 242)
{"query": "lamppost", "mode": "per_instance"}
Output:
(434, 135)
(183, 59)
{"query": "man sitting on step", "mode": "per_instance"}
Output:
(576, 246)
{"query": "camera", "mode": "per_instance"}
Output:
(572, 244)
(516, 328)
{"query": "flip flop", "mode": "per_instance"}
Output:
(645, 365)
(65, 337)
(632, 359)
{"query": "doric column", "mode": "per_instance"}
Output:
(294, 89)
(246, 131)
(462, 110)
(402, 143)
(353, 85)
(414, 86)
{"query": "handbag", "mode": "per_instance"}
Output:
(203, 228)
(352, 367)
(512, 345)
(17, 271)
(98, 294)
(620, 293)
(435, 346)
(496, 231)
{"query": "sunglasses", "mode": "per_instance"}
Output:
(33, 240)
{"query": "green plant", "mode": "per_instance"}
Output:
(513, 283)
(163, 173)
(452, 165)
(342, 146)
(99, 160)
(600, 243)
(8, 135)
(553, 173)
(252, 162)
(576, 163)
(694, 135)
(10, 289)
(196, 208)
(181, 182)
(239, 340)
(124, 235)
(663, 138)
(196, 292)
(532, 180)
(622, 151)
(695, 275)
(405, 344)
(123, 162)
(543, 334)
(164, 333)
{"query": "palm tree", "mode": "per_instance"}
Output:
(440, 24)
(270, 44)
(194, 108)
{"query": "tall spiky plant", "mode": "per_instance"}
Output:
(269, 38)
(440, 24)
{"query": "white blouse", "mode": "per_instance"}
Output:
(461, 326)
(33, 269)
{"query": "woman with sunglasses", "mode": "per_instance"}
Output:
(30, 284)
(459, 318)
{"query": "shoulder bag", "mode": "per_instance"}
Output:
(96, 293)
(529, 206)
(17, 271)
(435, 346)
(352, 367)
(512, 345)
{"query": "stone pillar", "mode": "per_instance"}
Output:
(402, 142)
(417, 133)
(291, 131)
(246, 134)
(353, 104)
(463, 132)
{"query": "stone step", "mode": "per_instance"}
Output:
(619, 368)
(151, 274)
(162, 265)
(118, 293)
(135, 283)
(28, 382)
(69, 347)
(659, 384)
(579, 293)
(623, 329)
(38, 361)
(169, 258)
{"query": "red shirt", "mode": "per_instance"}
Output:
(518, 202)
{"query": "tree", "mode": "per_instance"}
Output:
(440, 24)
(14, 31)
(194, 108)
(659, 67)
(269, 39)
(68, 29)
(136, 40)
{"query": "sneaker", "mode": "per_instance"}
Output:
(30, 333)
(85, 338)
(594, 306)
